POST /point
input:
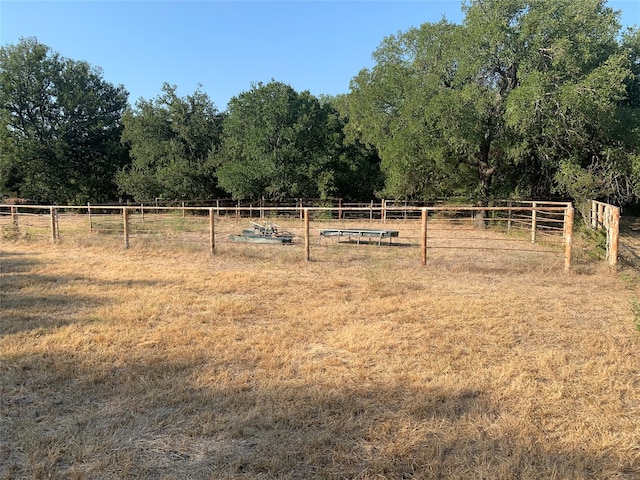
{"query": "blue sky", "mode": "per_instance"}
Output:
(226, 45)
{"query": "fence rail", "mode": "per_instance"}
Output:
(604, 216)
(434, 227)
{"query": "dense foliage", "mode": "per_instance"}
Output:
(522, 99)
(529, 98)
(279, 144)
(169, 140)
(61, 128)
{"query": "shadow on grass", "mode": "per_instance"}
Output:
(22, 311)
(66, 416)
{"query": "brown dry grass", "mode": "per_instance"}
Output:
(157, 364)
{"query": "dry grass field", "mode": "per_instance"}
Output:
(171, 363)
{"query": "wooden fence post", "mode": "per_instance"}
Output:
(600, 222)
(125, 221)
(423, 243)
(509, 217)
(371, 212)
(384, 211)
(53, 225)
(307, 242)
(568, 229)
(594, 220)
(534, 215)
(212, 238)
(90, 220)
(613, 232)
(14, 218)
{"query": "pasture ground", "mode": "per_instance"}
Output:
(158, 363)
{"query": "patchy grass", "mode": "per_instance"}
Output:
(160, 363)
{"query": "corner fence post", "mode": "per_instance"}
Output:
(212, 238)
(125, 221)
(568, 228)
(307, 255)
(614, 234)
(423, 243)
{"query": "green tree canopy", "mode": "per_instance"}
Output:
(524, 96)
(60, 135)
(274, 143)
(278, 143)
(170, 139)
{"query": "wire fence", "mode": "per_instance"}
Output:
(513, 227)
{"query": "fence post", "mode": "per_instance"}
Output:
(423, 243)
(534, 215)
(212, 238)
(594, 220)
(384, 211)
(509, 217)
(339, 209)
(53, 225)
(14, 218)
(600, 222)
(125, 221)
(568, 229)
(371, 212)
(613, 233)
(89, 213)
(307, 242)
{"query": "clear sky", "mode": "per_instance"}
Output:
(226, 45)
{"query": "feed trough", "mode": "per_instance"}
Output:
(267, 233)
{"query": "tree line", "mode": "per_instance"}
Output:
(523, 99)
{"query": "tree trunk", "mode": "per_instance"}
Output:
(485, 175)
